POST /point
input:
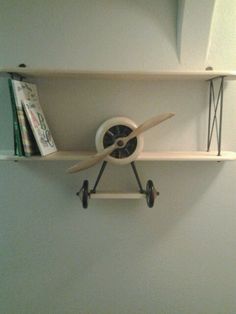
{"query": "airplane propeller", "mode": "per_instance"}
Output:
(120, 142)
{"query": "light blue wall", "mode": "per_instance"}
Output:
(89, 34)
(117, 256)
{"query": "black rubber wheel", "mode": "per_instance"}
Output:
(84, 194)
(151, 193)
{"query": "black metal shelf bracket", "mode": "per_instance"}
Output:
(216, 93)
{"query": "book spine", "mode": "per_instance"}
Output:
(18, 145)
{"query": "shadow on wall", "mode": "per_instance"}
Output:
(153, 10)
(94, 101)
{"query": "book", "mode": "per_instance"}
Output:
(36, 118)
(40, 128)
(18, 145)
(20, 96)
(6, 118)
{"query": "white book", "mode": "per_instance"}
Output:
(36, 118)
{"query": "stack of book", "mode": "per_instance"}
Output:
(31, 132)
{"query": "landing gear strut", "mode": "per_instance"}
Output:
(150, 193)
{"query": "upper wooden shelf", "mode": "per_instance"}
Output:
(122, 75)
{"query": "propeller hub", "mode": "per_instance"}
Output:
(120, 143)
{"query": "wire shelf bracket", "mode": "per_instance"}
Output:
(216, 93)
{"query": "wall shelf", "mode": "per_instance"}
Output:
(210, 76)
(144, 156)
(122, 75)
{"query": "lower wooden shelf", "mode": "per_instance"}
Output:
(144, 156)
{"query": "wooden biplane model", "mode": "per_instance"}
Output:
(119, 141)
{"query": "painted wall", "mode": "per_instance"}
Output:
(117, 256)
(89, 34)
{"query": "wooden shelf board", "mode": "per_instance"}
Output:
(144, 156)
(187, 156)
(122, 75)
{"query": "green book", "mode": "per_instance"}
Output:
(22, 92)
(18, 145)
(6, 121)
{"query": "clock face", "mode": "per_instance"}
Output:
(117, 128)
(119, 131)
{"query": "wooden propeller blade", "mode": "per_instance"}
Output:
(150, 123)
(107, 151)
(92, 160)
